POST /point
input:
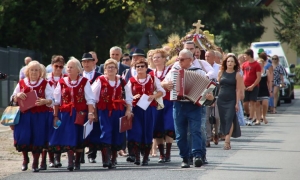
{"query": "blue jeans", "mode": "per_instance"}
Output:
(203, 133)
(187, 117)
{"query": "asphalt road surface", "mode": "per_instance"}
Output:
(269, 151)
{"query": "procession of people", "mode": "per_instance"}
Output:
(101, 95)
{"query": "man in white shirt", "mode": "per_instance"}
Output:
(89, 72)
(210, 57)
(187, 116)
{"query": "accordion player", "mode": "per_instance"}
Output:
(191, 86)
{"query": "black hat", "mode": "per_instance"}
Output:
(138, 52)
(87, 56)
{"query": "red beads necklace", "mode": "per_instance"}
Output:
(140, 81)
(34, 83)
(52, 78)
(70, 82)
(161, 76)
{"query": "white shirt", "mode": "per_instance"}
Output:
(177, 67)
(88, 93)
(48, 90)
(209, 71)
(156, 82)
(216, 68)
(89, 75)
(96, 88)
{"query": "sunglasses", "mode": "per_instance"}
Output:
(110, 67)
(57, 66)
(142, 66)
(274, 58)
(182, 59)
(126, 59)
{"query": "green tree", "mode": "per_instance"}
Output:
(288, 23)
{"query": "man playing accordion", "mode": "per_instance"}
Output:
(186, 113)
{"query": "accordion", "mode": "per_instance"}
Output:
(191, 86)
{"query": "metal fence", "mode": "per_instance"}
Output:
(11, 61)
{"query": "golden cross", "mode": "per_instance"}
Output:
(198, 25)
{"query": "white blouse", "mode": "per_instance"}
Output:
(156, 82)
(88, 94)
(48, 91)
(96, 88)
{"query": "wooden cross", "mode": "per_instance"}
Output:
(198, 25)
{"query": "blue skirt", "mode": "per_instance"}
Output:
(68, 136)
(30, 134)
(164, 125)
(142, 126)
(110, 125)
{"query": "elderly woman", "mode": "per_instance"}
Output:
(29, 134)
(141, 134)
(75, 101)
(164, 126)
(108, 90)
(57, 63)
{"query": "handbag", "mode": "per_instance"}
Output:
(11, 115)
(80, 117)
(212, 118)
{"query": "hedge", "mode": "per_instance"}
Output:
(297, 74)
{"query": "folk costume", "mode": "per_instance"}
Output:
(92, 141)
(110, 105)
(141, 134)
(30, 134)
(72, 98)
(164, 125)
(52, 80)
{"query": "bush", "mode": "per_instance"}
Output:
(297, 74)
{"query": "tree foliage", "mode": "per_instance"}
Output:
(288, 25)
(71, 27)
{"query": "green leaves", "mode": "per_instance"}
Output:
(287, 21)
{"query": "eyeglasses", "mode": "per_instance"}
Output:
(182, 59)
(142, 66)
(126, 59)
(57, 66)
(155, 57)
(110, 67)
(274, 58)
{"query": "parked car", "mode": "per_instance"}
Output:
(286, 92)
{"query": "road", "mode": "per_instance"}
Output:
(263, 152)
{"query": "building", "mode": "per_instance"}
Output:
(269, 34)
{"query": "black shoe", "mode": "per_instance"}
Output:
(70, 168)
(204, 160)
(82, 161)
(185, 163)
(113, 165)
(57, 164)
(77, 166)
(51, 164)
(130, 159)
(35, 170)
(145, 163)
(167, 159)
(191, 161)
(198, 162)
(137, 162)
(43, 167)
(24, 167)
(161, 160)
(92, 160)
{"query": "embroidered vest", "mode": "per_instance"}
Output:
(40, 91)
(136, 88)
(167, 96)
(78, 97)
(106, 99)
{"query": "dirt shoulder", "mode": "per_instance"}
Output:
(10, 159)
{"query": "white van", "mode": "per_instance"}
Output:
(271, 48)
